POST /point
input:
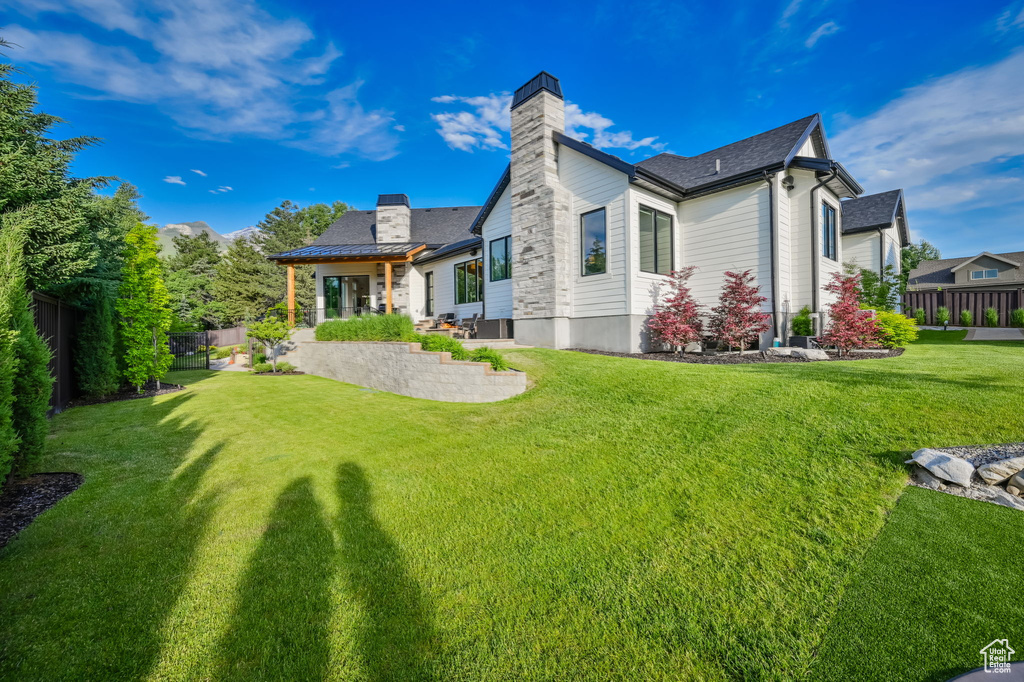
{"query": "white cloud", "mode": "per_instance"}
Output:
(174, 180)
(951, 137)
(487, 125)
(217, 68)
(1011, 18)
(198, 172)
(826, 29)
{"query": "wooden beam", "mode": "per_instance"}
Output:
(387, 287)
(291, 294)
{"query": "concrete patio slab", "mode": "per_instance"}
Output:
(994, 334)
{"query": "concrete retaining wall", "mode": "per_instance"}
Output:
(403, 368)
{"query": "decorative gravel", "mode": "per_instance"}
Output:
(979, 455)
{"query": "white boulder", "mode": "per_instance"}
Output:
(946, 467)
(997, 472)
(810, 353)
(1016, 485)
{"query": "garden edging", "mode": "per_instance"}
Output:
(404, 368)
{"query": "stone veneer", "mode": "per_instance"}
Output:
(403, 368)
(394, 223)
(401, 297)
(541, 232)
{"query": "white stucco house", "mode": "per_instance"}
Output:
(571, 246)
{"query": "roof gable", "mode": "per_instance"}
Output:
(939, 272)
(986, 254)
(875, 212)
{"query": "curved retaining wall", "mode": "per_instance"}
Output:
(399, 367)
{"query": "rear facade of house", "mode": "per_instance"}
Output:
(573, 246)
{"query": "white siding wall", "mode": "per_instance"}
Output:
(724, 231)
(444, 286)
(803, 255)
(593, 185)
(417, 302)
(861, 249)
(646, 288)
(785, 237)
(827, 265)
(498, 295)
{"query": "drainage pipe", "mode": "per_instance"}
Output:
(774, 264)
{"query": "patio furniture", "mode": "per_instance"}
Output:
(469, 326)
(444, 321)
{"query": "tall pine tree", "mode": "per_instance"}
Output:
(190, 274)
(247, 284)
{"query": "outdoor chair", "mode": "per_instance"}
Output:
(468, 327)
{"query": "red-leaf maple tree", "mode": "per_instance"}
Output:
(849, 326)
(737, 320)
(676, 321)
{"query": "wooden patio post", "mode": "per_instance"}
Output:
(291, 294)
(387, 287)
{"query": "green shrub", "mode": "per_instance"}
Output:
(259, 358)
(262, 368)
(895, 330)
(942, 315)
(11, 274)
(485, 354)
(991, 317)
(95, 358)
(802, 323)
(966, 318)
(367, 328)
(286, 367)
(33, 386)
(439, 343)
(1017, 318)
(225, 352)
(920, 316)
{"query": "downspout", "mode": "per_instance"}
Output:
(815, 243)
(774, 264)
(881, 254)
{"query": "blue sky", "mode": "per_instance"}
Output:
(218, 110)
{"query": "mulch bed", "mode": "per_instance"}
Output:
(24, 499)
(130, 393)
(746, 359)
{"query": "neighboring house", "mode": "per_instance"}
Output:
(573, 245)
(984, 272)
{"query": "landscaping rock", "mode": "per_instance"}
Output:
(692, 348)
(1016, 485)
(997, 472)
(946, 467)
(810, 354)
(996, 496)
(783, 351)
(924, 479)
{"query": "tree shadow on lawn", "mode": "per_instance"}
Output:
(280, 626)
(396, 640)
(98, 581)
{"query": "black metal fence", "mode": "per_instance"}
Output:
(190, 350)
(57, 323)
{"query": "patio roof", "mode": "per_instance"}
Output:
(351, 253)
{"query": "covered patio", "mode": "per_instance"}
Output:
(387, 254)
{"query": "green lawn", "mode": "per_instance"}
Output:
(622, 520)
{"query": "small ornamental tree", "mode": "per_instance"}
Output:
(677, 321)
(272, 332)
(849, 326)
(144, 309)
(737, 320)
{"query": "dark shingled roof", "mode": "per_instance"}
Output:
(874, 211)
(431, 226)
(737, 159)
(314, 251)
(940, 272)
(451, 250)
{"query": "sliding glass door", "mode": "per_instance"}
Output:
(346, 295)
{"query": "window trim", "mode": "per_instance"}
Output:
(479, 280)
(583, 260)
(508, 258)
(671, 240)
(833, 252)
(984, 273)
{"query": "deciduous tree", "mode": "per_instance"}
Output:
(737, 320)
(271, 332)
(677, 321)
(849, 326)
(145, 314)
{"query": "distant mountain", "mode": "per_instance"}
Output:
(165, 235)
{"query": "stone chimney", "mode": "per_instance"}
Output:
(541, 229)
(394, 218)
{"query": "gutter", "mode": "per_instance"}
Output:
(816, 241)
(774, 262)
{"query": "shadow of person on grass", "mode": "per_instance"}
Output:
(395, 640)
(279, 629)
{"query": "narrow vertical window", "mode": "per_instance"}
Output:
(428, 286)
(656, 241)
(594, 242)
(828, 231)
(501, 259)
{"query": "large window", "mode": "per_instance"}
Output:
(469, 281)
(594, 242)
(984, 274)
(428, 289)
(501, 259)
(655, 241)
(828, 231)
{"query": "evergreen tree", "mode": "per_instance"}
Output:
(10, 274)
(35, 181)
(96, 369)
(143, 306)
(190, 275)
(247, 284)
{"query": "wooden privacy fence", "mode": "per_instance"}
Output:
(975, 301)
(227, 337)
(57, 323)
